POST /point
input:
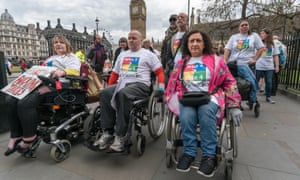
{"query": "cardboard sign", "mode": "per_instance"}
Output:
(27, 82)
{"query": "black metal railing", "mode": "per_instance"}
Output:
(290, 75)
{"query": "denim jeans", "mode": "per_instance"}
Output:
(205, 116)
(267, 75)
(245, 72)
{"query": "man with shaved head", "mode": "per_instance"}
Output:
(129, 81)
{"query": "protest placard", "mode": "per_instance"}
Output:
(27, 82)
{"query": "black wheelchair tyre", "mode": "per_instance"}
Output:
(234, 140)
(156, 109)
(57, 155)
(228, 169)
(92, 128)
(141, 144)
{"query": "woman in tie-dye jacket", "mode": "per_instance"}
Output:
(203, 71)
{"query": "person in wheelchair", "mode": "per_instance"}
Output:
(202, 72)
(245, 48)
(132, 74)
(22, 114)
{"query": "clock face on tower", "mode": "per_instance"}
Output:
(134, 10)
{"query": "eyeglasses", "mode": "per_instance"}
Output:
(172, 19)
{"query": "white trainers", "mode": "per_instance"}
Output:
(118, 144)
(269, 100)
(104, 141)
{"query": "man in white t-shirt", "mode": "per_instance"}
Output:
(132, 76)
(182, 24)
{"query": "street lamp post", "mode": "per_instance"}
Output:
(97, 24)
(189, 12)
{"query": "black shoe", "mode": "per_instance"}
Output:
(10, 151)
(29, 145)
(184, 163)
(207, 166)
(250, 104)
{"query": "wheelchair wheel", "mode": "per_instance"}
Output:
(234, 140)
(92, 127)
(57, 154)
(87, 126)
(97, 112)
(256, 110)
(156, 109)
(228, 169)
(141, 144)
(168, 125)
(169, 161)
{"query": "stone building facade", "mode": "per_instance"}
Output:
(35, 43)
(18, 40)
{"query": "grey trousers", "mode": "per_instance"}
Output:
(120, 119)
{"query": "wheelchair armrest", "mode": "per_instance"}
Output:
(78, 78)
(105, 75)
(47, 81)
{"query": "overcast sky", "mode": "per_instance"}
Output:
(113, 14)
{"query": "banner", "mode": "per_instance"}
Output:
(27, 82)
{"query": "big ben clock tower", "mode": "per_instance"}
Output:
(138, 16)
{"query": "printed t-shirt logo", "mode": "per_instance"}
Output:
(243, 44)
(267, 52)
(176, 44)
(194, 72)
(130, 64)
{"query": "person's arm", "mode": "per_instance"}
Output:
(113, 78)
(226, 54)
(276, 63)
(257, 56)
(89, 52)
(160, 78)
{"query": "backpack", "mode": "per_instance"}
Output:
(282, 56)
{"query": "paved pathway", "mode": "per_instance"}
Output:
(269, 149)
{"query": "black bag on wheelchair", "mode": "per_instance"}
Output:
(232, 66)
(244, 87)
(195, 98)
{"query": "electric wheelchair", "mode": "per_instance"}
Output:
(148, 111)
(61, 115)
(227, 148)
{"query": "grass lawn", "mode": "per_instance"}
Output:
(16, 69)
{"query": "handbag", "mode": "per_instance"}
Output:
(195, 98)
(94, 85)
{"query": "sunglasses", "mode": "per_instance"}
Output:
(172, 19)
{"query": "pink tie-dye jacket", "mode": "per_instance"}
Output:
(220, 76)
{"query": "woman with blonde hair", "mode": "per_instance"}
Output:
(22, 114)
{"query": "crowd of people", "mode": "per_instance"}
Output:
(188, 63)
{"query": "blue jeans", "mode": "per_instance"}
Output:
(245, 72)
(205, 116)
(267, 75)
